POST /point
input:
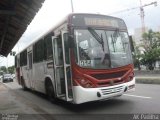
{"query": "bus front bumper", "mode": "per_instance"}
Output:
(82, 95)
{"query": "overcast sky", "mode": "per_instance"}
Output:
(53, 11)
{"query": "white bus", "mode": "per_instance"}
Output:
(87, 57)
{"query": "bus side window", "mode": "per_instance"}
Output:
(60, 52)
(15, 61)
(45, 50)
(38, 51)
(18, 62)
(34, 53)
(66, 47)
(23, 58)
(48, 45)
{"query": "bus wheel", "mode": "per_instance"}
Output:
(23, 84)
(50, 91)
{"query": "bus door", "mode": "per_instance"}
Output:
(62, 70)
(30, 68)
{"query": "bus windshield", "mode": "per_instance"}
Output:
(102, 49)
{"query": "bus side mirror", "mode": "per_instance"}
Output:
(131, 43)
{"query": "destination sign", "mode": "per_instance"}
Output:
(97, 20)
(100, 22)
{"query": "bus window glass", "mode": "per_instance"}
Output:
(15, 61)
(48, 45)
(66, 47)
(58, 51)
(23, 58)
(115, 43)
(18, 61)
(90, 52)
(101, 49)
(30, 60)
(84, 44)
(34, 53)
(38, 51)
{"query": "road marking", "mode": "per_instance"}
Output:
(137, 96)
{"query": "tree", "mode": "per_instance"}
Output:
(3, 69)
(136, 56)
(151, 47)
(11, 69)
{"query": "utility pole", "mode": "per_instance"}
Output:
(72, 6)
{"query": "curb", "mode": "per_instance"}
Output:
(148, 80)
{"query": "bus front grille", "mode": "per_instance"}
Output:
(111, 82)
(109, 75)
(108, 91)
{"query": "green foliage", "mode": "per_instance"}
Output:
(11, 69)
(136, 57)
(3, 69)
(151, 49)
(1, 72)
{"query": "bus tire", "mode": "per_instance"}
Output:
(50, 91)
(23, 84)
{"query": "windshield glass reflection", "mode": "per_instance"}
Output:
(101, 49)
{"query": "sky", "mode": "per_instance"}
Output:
(53, 11)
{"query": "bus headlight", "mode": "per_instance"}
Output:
(83, 82)
(86, 83)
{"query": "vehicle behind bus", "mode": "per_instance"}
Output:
(87, 57)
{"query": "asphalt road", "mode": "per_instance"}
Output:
(145, 100)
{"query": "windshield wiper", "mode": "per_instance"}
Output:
(116, 34)
(96, 36)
